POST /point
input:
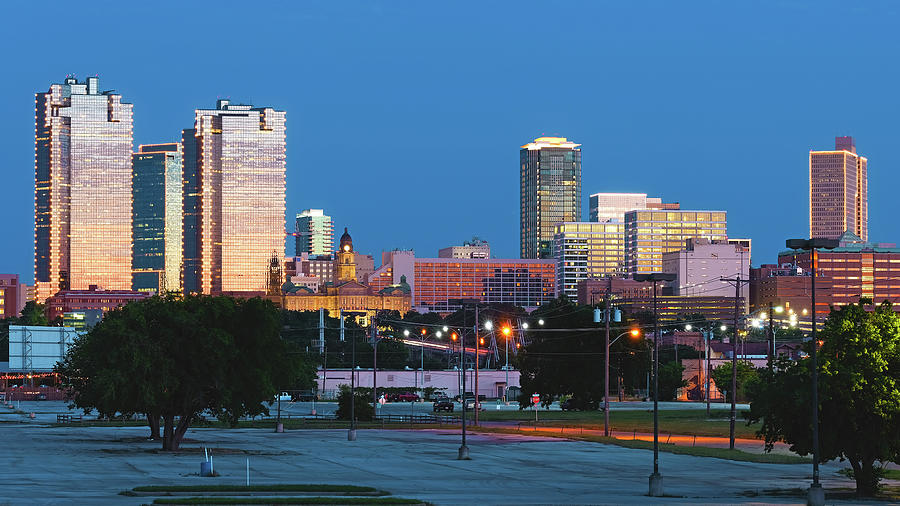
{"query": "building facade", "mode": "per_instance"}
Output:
(858, 270)
(838, 191)
(314, 233)
(650, 233)
(700, 266)
(68, 301)
(12, 296)
(156, 218)
(434, 282)
(234, 187)
(82, 229)
(550, 192)
(613, 206)
(476, 248)
(585, 250)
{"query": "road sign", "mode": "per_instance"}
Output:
(535, 398)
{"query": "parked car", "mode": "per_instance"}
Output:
(442, 404)
(404, 397)
(569, 405)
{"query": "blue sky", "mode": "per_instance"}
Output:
(405, 118)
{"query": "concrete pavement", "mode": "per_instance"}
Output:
(90, 465)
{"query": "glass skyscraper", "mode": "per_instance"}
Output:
(157, 218)
(315, 233)
(83, 147)
(587, 250)
(550, 192)
(234, 191)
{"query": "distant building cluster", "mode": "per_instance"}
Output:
(204, 212)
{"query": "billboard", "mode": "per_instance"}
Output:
(38, 349)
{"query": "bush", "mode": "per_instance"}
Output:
(363, 410)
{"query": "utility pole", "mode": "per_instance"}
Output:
(606, 369)
(477, 403)
(737, 280)
(374, 366)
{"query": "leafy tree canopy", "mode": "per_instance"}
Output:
(174, 358)
(859, 394)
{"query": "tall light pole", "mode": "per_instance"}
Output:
(464, 449)
(506, 333)
(656, 481)
(816, 495)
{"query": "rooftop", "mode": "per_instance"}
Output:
(550, 142)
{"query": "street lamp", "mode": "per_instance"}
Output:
(634, 333)
(463, 453)
(656, 482)
(506, 332)
(816, 494)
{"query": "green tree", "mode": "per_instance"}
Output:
(560, 361)
(33, 314)
(670, 380)
(746, 374)
(859, 395)
(362, 409)
(173, 358)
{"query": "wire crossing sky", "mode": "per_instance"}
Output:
(404, 119)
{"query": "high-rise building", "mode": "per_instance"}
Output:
(82, 197)
(234, 190)
(157, 218)
(610, 206)
(586, 250)
(315, 233)
(649, 234)
(838, 191)
(550, 191)
(476, 248)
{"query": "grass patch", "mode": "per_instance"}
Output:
(353, 489)
(287, 500)
(697, 451)
(690, 422)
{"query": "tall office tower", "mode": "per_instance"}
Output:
(315, 233)
(82, 195)
(838, 191)
(157, 218)
(650, 233)
(613, 206)
(233, 173)
(550, 190)
(587, 250)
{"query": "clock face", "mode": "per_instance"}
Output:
(346, 247)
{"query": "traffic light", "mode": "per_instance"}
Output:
(423, 332)
(481, 341)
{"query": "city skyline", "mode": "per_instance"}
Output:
(622, 150)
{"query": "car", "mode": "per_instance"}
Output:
(303, 396)
(407, 397)
(283, 397)
(442, 404)
(42, 397)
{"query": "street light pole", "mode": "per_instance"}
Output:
(816, 495)
(656, 481)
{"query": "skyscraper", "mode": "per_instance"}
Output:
(157, 218)
(315, 233)
(82, 215)
(838, 191)
(234, 189)
(550, 192)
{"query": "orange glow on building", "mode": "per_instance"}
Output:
(838, 191)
